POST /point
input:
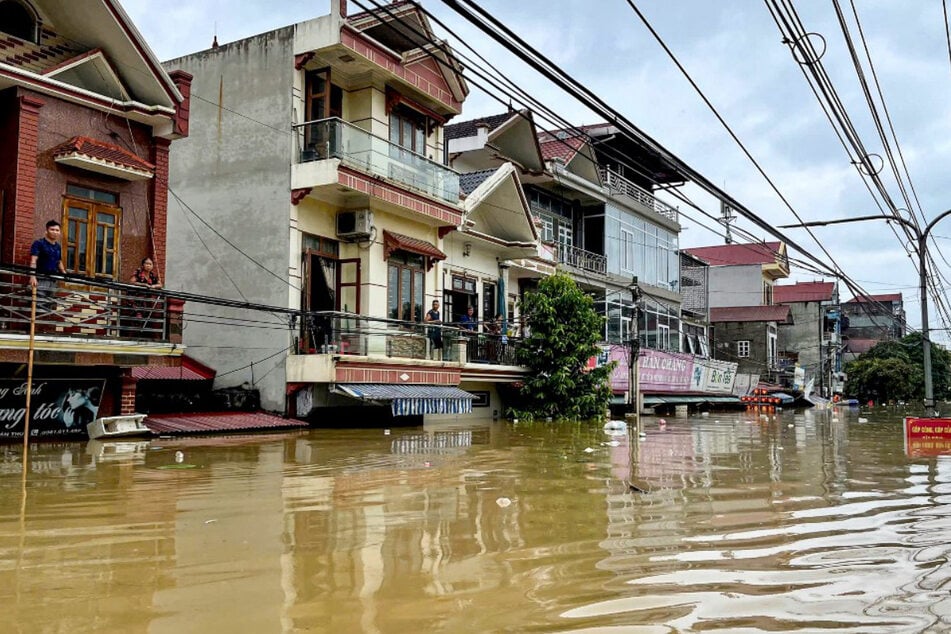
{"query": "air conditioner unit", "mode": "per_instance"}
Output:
(354, 224)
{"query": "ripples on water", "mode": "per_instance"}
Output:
(793, 522)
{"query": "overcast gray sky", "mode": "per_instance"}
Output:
(733, 50)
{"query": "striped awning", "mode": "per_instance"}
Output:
(411, 400)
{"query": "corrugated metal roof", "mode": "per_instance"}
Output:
(735, 254)
(803, 292)
(412, 400)
(205, 422)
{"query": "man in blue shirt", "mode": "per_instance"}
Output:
(468, 321)
(46, 256)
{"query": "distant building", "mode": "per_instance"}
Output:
(872, 319)
(748, 335)
(743, 274)
(812, 340)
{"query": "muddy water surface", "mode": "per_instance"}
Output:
(796, 522)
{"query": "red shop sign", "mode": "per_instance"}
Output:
(927, 436)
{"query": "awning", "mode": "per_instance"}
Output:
(398, 242)
(411, 400)
(103, 158)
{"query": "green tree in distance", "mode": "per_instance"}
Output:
(564, 332)
(894, 370)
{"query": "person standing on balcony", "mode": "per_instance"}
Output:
(469, 321)
(46, 256)
(146, 305)
(435, 334)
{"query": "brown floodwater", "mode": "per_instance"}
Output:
(794, 522)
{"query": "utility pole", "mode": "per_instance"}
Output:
(634, 343)
(922, 237)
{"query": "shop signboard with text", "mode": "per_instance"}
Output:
(59, 408)
(664, 371)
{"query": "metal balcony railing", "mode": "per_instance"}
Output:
(361, 150)
(349, 334)
(84, 309)
(618, 185)
(581, 259)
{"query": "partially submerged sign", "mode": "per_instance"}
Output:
(927, 436)
(59, 408)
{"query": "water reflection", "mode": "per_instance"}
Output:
(776, 522)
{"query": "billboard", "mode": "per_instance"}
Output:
(59, 408)
(664, 371)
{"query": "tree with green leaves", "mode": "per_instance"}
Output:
(564, 331)
(894, 370)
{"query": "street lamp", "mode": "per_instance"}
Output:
(922, 237)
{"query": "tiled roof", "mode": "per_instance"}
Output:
(468, 128)
(803, 292)
(189, 370)
(469, 182)
(749, 313)
(862, 299)
(553, 147)
(735, 254)
(102, 151)
(397, 241)
(52, 50)
(204, 422)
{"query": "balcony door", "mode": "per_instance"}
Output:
(322, 100)
(91, 240)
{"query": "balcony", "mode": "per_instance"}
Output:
(90, 315)
(581, 259)
(617, 185)
(368, 153)
(348, 334)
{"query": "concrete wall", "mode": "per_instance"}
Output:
(804, 335)
(725, 348)
(234, 172)
(736, 286)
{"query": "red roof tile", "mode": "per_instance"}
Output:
(553, 147)
(862, 299)
(803, 292)
(189, 370)
(204, 422)
(733, 254)
(102, 151)
(397, 241)
(749, 313)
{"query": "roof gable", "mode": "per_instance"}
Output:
(91, 71)
(497, 208)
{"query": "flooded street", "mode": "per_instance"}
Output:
(803, 521)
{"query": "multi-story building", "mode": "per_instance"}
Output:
(318, 151)
(870, 319)
(86, 118)
(812, 342)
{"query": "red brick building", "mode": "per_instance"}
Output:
(86, 118)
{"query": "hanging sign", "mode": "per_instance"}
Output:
(927, 436)
(59, 408)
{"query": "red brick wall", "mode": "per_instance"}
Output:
(28, 117)
(158, 193)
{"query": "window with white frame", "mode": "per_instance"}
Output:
(548, 228)
(565, 234)
(663, 337)
(771, 347)
(743, 349)
(627, 251)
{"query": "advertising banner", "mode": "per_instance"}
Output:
(664, 371)
(59, 408)
(927, 436)
(720, 376)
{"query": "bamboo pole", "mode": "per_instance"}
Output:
(29, 394)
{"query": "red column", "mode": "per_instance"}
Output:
(127, 399)
(159, 202)
(17, 242)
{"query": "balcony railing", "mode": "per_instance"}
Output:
(357, 148)
(581, 259)
(83, 309)
(350, 334)
(618, 185)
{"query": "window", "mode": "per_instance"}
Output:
(771, 347)
(565, 234)
(322, 99)
(548, 228)
(408, 129)
(663, 337)
(627, 251)
(767, 294)
(18, 20)
(405, 286)
(489, 301)
(743, 349)
(91, 221)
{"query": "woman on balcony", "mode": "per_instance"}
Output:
(145, 306)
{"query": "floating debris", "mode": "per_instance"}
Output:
(504, 502)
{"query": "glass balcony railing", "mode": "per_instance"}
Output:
(357, 148)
